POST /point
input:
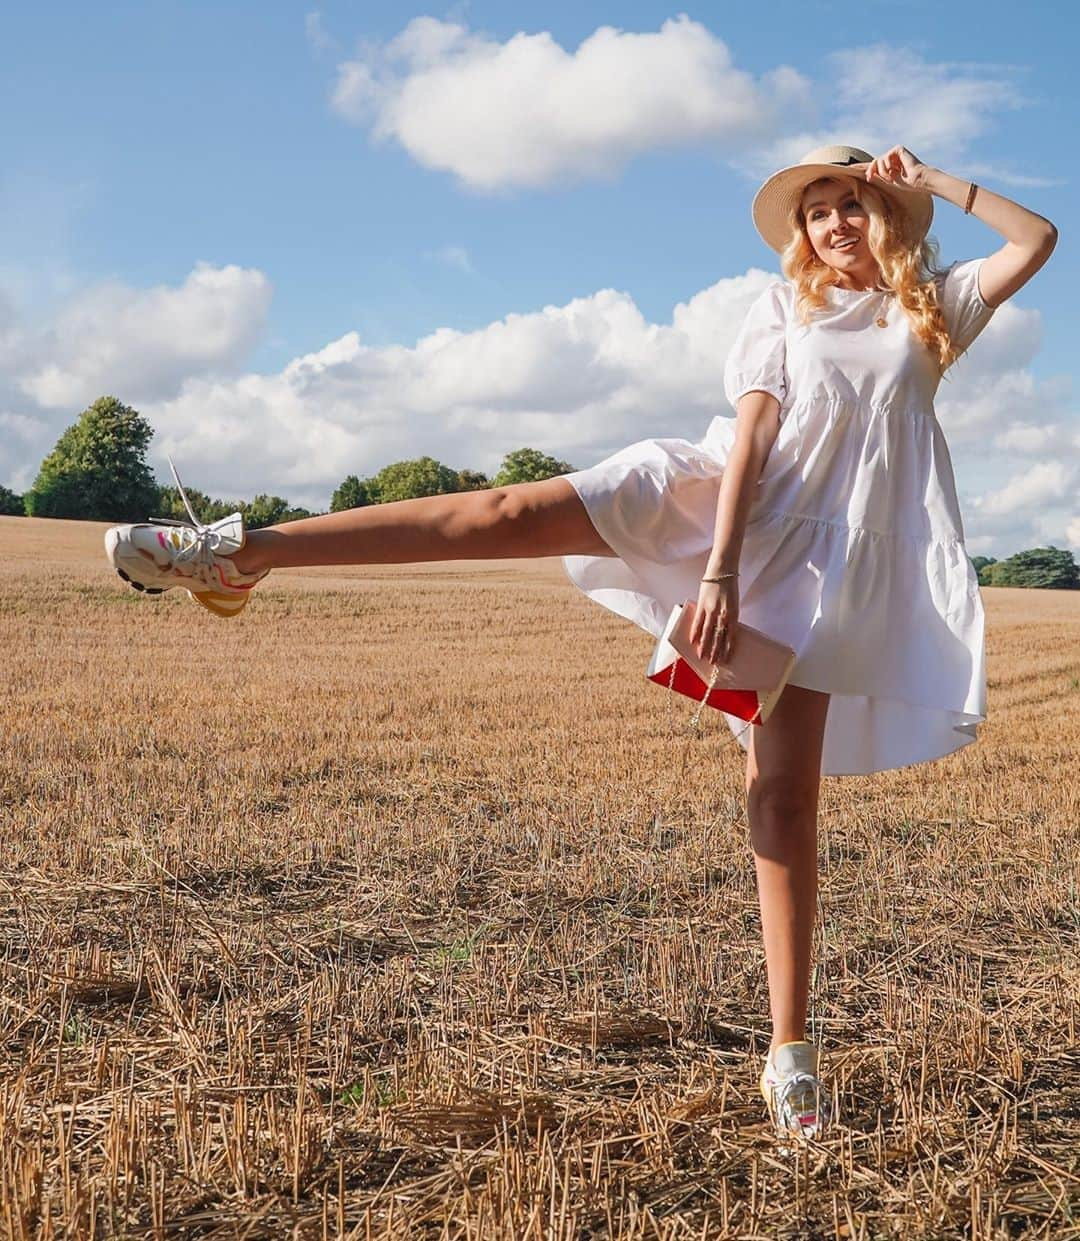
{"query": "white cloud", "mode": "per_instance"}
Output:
(454, 256)
(879, 91)
(528, 112)
(316, 34)
(142, 342)
(20, 436)
(1038, 485)
(1039, 439)
(578, 380)
(992, 406)
(1035, 507)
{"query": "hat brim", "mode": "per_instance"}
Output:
(782, 191)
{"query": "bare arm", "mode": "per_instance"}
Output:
(1030, 238)
(757, 424)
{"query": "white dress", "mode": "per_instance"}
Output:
(853, 552)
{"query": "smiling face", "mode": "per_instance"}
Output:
(838, 226)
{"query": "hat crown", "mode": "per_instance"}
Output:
(836, 155)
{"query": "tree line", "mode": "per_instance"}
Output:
(98, 472)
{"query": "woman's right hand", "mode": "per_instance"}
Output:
(713, 629)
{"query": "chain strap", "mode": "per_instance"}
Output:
(693, 727)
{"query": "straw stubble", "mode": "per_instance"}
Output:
(383, 910)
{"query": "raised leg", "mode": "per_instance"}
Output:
(782, 783)
(544, 518)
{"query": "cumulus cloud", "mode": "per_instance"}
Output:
(578, 380)
(1038, 485)
(140, 344)
(992, 403)
(20, 435)
(1039, 439)
(527, 112)
(1035, 506)
(1005, 424)
(144, 342)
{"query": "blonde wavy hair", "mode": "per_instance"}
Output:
(908, 271)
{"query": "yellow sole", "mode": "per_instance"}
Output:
(220, 605)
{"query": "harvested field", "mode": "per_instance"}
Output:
(394, 907)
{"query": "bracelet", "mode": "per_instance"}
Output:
(970, 198)
(720, 578)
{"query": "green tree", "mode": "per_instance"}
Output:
(11, 505)
(98, 470)
(263, 511)
(472, 480)
(980, 562)
(353, 493)
(1046, 568)
(528, 465)
(206, 510)
(407, 480)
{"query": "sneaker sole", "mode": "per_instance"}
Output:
(221, 605)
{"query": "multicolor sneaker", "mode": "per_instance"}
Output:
(161, 553)
(799, 1102)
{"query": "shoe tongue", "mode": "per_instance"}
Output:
(791, 1058)
(231, 529)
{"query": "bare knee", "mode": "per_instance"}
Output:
(777, 803)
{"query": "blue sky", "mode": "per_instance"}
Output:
(195, 198)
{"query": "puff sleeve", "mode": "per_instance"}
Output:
(966, 314)
(756, 359)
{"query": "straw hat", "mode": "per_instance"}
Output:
(781, 193)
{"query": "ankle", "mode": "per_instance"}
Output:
(249, 559)
(779, 1041)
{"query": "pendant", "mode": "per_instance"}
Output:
(882, 322)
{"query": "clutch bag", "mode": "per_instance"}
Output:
(747, 686)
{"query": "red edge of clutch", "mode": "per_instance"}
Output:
(743, 703)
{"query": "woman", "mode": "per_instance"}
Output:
(830, 497)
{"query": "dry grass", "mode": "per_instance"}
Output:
(384, 910)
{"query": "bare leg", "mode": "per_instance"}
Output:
(525, 519)
(782, 782)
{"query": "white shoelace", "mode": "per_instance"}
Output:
(206, 542)
(785, 1107)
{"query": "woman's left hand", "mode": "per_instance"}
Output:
(900, 167)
